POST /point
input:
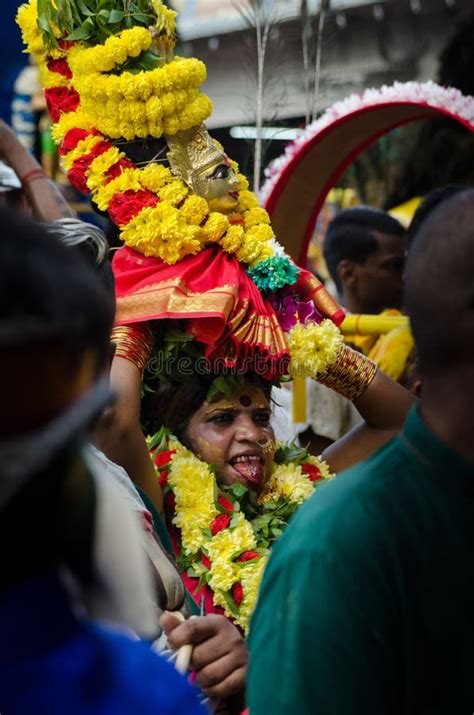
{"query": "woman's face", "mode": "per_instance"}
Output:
(234, 435)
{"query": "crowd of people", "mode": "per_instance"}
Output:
(148, 562)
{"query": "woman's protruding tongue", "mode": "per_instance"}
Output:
(251, 470)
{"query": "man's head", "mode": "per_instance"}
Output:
(430, 202)
(55, 323)
(364, 249)
(439, 288)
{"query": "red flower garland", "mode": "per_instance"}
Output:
(220, 523)
(247, 556)
(77, 174)
(237, 593)
(117, 169)
(225, 503)
(60, 100)
(72, 139)
(124, 207)
(61, 66)
(312, 471)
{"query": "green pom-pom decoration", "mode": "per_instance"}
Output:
(274, 273)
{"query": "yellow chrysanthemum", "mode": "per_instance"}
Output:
(313, 347)
(222, 547)
(71, 120)
(174, 193)
(251, 580)
(160, 231)
(247, 201)
(256, 216)
(244, 182)
(214, 228)
(233, 239)
(287, 480)
(155, 176)
(195, 210)
(27, 17)
(99, 167)
(193, 487)
(266, 251)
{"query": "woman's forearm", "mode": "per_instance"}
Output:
(384, 404)
(119, 434)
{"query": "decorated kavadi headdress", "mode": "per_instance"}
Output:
(198, 248)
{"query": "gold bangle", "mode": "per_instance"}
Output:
(134, 343)
(350, 375)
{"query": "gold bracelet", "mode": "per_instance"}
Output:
(350, 375)
(133, 342)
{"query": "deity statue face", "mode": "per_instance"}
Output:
(218, 185)
(198, 160)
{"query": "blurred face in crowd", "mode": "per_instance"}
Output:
(39, 382)
(377, 282)
(234, 435)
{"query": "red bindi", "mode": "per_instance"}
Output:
(245, 401)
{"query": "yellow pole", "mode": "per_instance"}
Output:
(299, 400)
(372, 324)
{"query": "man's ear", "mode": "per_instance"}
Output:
(347, 273)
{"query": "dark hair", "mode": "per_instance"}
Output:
(49, 293)
(350, 235)
(439, 292)
(457, 59)
(173, 406)
(430, 202)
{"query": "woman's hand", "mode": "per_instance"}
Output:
(219, 655)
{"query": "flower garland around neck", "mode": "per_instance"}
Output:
(225, 533)
(155, 211)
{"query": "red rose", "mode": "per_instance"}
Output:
(66, 44)
(220, 523)
(60, 66)
(72, 139)
(163, 478)
(312, 471)
(61, 100)
(237, 593)
(77, 173)
(163, 458)
(206, 561)
(247, 556)
(117, 169)
(124, 207)
(226, 503)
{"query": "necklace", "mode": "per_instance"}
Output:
(225, 533)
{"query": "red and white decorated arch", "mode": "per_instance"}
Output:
(299, 181)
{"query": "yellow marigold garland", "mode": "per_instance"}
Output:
(235, 555)
(85, 61)
(164, 100)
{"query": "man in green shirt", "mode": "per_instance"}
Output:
(367, 605)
